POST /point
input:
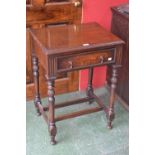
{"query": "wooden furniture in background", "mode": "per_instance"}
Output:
(83, 47)
(44, 13)
(120, 27)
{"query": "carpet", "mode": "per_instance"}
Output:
(84, 135)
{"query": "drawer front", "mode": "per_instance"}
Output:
(80, 61)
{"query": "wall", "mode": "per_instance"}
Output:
(98, 11)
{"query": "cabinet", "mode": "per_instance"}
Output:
(120, 27)
(44, 13)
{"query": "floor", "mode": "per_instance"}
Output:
(84, 135)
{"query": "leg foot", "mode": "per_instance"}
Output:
(52, 131)
(110, 118)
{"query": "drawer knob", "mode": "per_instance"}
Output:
(70, 64)
(101, 59)
(110, 58)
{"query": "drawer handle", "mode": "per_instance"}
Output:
(70, 64)
(101, 59)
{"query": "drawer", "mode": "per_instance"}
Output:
(84, 60)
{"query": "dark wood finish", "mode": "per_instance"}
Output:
(68, 103)
(123, 103)
(39, 14)
(28, 1)
(51, 102)
(86, 46)
(42, 111)
(90, 90)
(67, 63)
(100, 103)
(37, 99)
(78, 113)
(120, 27)
(64, 46)
(44, 13)
(111, 114)
(29, 73)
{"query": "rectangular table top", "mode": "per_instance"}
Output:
(66, 38)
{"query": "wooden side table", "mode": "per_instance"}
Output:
(74, 47)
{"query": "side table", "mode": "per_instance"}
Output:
(74, 47)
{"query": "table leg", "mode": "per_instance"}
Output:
(90, 90)
(37, 99)
(51, 102)
(111, 114)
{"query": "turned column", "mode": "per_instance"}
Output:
(111, 114)
(37, 99)
(90, 90)
(51, 102)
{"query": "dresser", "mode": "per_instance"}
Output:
(120, 27)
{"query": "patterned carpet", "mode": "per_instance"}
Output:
(84, 135)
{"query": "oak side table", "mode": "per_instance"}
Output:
(66, 48)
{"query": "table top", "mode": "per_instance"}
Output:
(66, 38)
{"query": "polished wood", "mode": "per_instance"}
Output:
(83, 60)
(46, 13)
(29, 73)
(120, 27)
(51, 103)
(37, 99)
(66, 45)
(78, 113)
(123, 103)
(90, 90)
(42, 111)
(51, 13)
(68, 103)
(85, 46)
(111, 114)
(100, 103)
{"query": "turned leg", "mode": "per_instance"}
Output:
(37, 99)
(51, 102)
(111, 115)
(90, 90)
